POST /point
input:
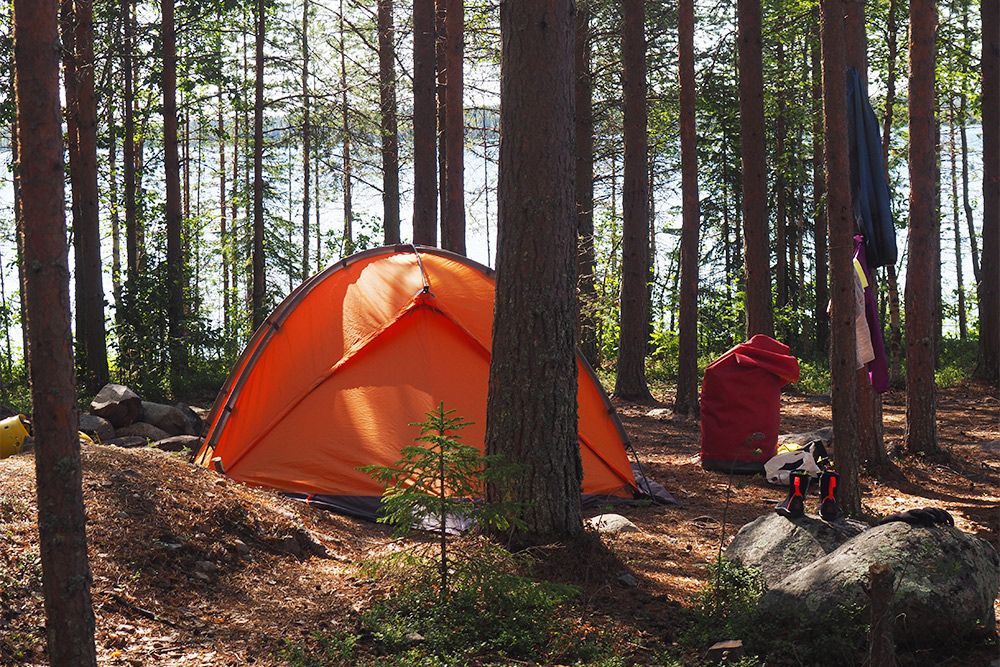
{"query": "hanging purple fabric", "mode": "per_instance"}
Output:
(878, 369)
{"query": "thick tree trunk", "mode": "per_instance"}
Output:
(259, 280)
(66, 577)
(81, 115)
(840, 217)
(531, 411)
(921, 393)
(988, 366)
(424, 126)
(390, 129)
(584, 92)
(756, 261)
(630, 380)
(453, 187)
(686, 401)
(870, 427)
(171, 175)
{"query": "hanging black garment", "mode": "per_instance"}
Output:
(869, 190)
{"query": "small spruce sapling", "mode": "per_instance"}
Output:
(438, 478)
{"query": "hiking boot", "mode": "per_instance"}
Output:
(794, 505)
(829, 489)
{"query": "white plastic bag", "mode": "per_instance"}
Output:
(780, 466)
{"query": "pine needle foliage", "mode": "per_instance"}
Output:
(439, 482)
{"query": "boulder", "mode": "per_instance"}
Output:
(178, 443)
(98, 428)
(128, 441)
(118, 404)
(946, 581)
(612, 523)
(824, 435)
(143, 430)
(195, 424)
(778, 546)
(165, 417)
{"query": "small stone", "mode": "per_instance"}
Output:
(241, 548)
(627, 580)
(729, 651)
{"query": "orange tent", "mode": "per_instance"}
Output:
(335, 375)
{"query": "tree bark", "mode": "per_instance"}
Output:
(963, 328)
(630, 380)
(686, 400)
(259, 280)
(780, 189)
(390, 129)
(988, 365)
(132, 233)
(81, 117)
(840, 218)
(820, 315)
(584, 94)
(531, 410)
(453, 187)
(345, 128)
(924, 255)
(756, 263)
(171, 175)
(424, 126)
(306, 142)
(66, 577)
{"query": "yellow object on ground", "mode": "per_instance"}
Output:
(13, 431)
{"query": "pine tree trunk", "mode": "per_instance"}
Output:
(390, 130)
(259, 281)
(424, 126)
(306, 143)
(66, 576)
(128, 150)
(630, 380)
(780, 193)
(686, 401)
(584, 93)
(921, 393)
(531, 411)
(963, 329)
(171, 169)
(820, 316)
(756, 261)
(453, 187)
(988, 365)
(840, 217)
(346, 151)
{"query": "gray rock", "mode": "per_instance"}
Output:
(242, 550)
(128, 441)
(947, 582)
(825, 435)
(144, 430)
(164, 417)
(612, 523)
(627, 580)
(778, 546)
(118, 404)
(195, 424)
(178, 443)
(98, 428)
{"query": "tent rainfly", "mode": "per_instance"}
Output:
(334, 377)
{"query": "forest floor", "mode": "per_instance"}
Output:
(175, 585)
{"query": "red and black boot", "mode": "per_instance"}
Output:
(794, 505)
(829, 490)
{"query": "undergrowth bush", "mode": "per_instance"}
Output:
(493, 615)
